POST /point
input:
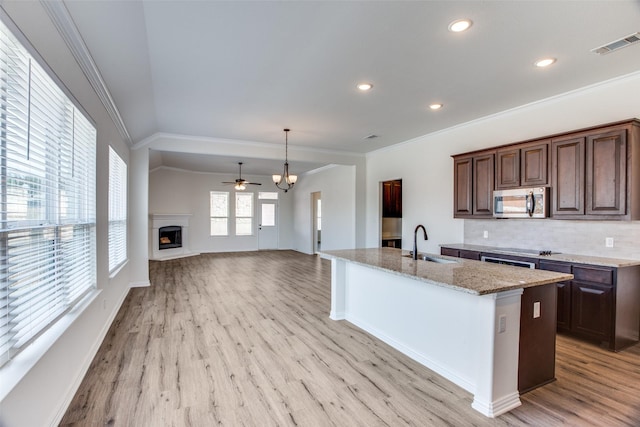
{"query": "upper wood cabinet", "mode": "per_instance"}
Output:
(483, 175)
(473, 185)
(606, 173)
(507, 168)
(463, 184)
(523, 165)
(392, 199)
(568, 176)
(594, 173)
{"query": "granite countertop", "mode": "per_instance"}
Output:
(575, 259)
(474, 277)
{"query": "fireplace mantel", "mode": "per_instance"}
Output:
(159, 220)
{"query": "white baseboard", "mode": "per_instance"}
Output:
(418, 357)
(141, 284)
(84, 367)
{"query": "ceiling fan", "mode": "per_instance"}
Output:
(241, 184)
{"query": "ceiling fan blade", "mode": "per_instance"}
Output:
(253, 183)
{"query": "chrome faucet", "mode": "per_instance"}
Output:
(415, 240)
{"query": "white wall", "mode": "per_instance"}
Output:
(337, 186)
(177, 191)
(37, 386)
(426, 168)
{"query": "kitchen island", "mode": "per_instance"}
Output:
(460, 318)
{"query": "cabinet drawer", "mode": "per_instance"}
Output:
(449, 252)
(555, 266)
(593, 274)
(470, 255)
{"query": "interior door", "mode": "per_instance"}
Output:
(267, 224)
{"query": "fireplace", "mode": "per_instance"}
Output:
(170, 237)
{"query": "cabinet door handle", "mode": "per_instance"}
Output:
(592, 291)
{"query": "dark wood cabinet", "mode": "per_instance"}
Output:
(483, 178)
(563, 315)
(466, 254)
(600, 304)
(463, 184)
(523, 165)
(537, 347)
(534, 164)
(507, 168)
(594, 173)
(450, 252)
(606, 157)
(473, 186)
(392, 243)
(568, 176)
(591, 310)
(392, 199)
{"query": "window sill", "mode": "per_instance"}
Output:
(17, 368)
(118, 268)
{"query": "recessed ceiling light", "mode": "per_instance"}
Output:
(460, 25)
(544, 62)
(364, 86)
(435, 106)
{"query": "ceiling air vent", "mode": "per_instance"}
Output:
(618, 44)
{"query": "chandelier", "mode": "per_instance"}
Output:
(285, 181)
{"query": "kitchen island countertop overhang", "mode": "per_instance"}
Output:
(461, 319)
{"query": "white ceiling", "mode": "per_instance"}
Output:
(244, 70)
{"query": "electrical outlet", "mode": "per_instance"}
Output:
(502, 324)
(536, 309)
(608, 242)
(485, 234)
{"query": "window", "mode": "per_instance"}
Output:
(267, 195)
(117, 210)
(244, 214)
(219, 209)
(47, 200)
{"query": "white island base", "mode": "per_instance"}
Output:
(472, 340)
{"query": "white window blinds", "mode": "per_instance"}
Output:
(219, 208)
(47, 199)
(244, 214)
(117, 210)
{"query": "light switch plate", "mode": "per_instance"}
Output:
(536, 309)
(608, 242)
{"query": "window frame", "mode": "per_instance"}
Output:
(48, 210)
(212, 216)
(118, 216)
(238, 218)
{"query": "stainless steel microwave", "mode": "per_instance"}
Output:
(521, 203)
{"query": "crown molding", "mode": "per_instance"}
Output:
(63, 22)
(150, 140)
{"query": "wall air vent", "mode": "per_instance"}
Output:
(617, 44)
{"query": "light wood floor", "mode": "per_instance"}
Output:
(244, 339)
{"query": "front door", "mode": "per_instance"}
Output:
(267, 224)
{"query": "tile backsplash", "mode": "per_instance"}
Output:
(572, 237)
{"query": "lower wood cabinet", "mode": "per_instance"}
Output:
(591, 310)
(601, 304)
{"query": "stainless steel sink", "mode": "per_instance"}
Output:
(433, 259)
